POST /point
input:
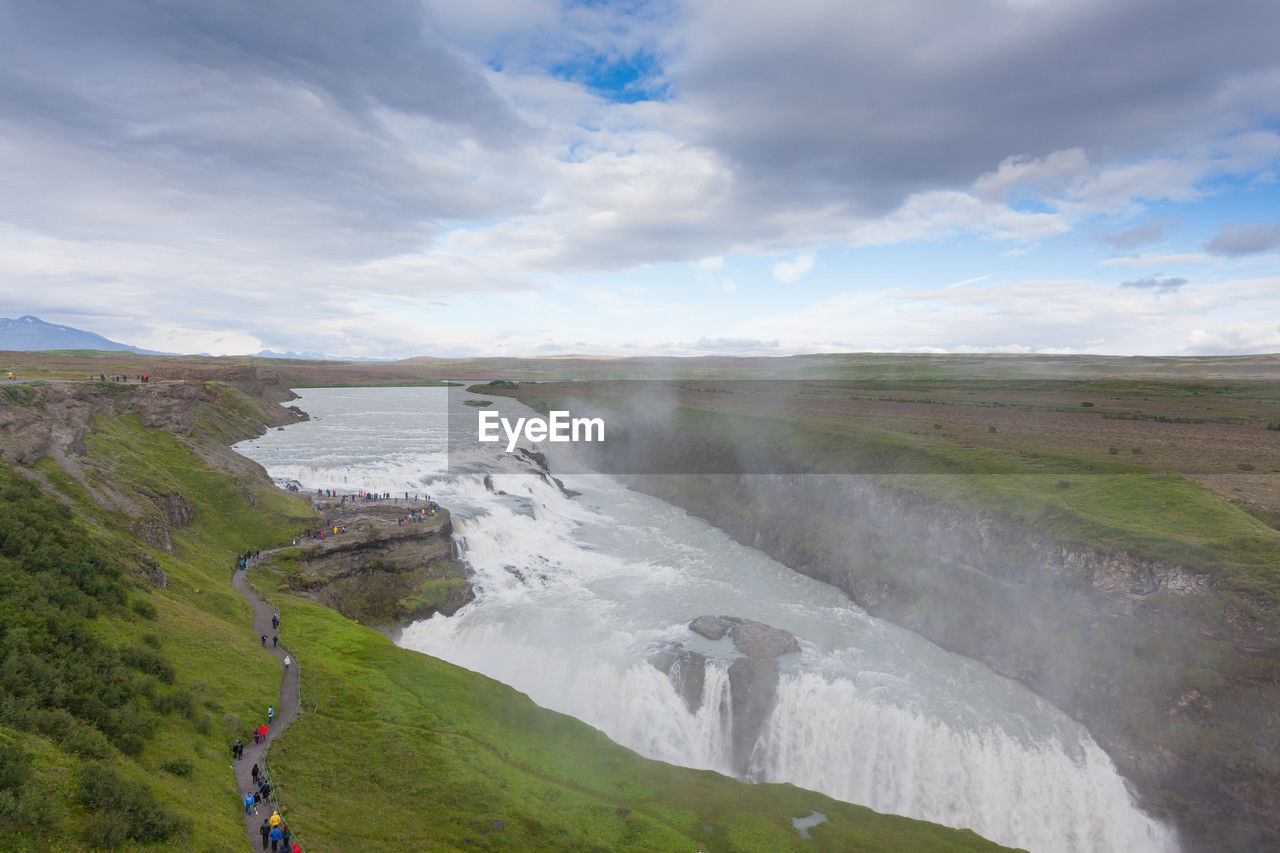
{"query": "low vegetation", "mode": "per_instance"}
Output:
(64, 688)
(121, 563)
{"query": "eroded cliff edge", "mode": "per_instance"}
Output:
(1164, 644)
(1180, 686)
(47, 429)
(394, 561)
(381, 563)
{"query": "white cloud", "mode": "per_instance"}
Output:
(1033, 315)
(187, 340)
(217, 189)
(1153, 260)
(1018, 251)
(938, 215)
(1046, 176)
(793, 270)
(1235, 338)
(968, 281)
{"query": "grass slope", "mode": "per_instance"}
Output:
(197, 623)
(395, 748)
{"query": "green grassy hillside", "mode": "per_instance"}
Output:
(394, 749)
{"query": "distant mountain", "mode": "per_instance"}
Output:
(313, 356)
(306, 356)
(32, 333)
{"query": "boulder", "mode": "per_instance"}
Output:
(753, 639)
(757, 640)
(687, 671)
(753, 684)
(753, 679)
(711, 627)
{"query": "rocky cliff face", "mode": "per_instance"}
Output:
(1179, 689)
(52, 419)
(55, 419)
(378, 570)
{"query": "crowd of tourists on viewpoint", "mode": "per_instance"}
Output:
(335, 499)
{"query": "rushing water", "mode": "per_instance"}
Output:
(575, 595)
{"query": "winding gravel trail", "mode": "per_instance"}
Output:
(286, 708)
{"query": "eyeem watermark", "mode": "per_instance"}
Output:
(557, 428)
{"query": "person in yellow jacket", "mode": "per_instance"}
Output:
(275, 819)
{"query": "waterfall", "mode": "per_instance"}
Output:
(585, 604)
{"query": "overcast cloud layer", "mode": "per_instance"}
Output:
(533, 176)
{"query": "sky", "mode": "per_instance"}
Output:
(678, 177)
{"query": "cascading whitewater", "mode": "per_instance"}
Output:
(575, 597)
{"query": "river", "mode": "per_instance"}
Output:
(576, 595)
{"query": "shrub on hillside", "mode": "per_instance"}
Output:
(19, 802)
(122, 811)
(178, 766)
(58, 676)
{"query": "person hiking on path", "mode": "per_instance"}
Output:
(264, 641)
(276, 835)
(275, 640)
(275, 621)
(284, 836)
(275, 819)
(265, 832)
(286, 663)
(237, 749)
(262, 731)
(254, 774)
(248, 803)
(271, 714)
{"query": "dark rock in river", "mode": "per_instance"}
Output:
(753, 680)
(753, 639)
(753, 684)
(711, 627)
(687, 671)
(543, 469)
(757, 640)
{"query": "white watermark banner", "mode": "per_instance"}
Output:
(558, 427)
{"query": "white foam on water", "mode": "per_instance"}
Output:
(574, 596)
